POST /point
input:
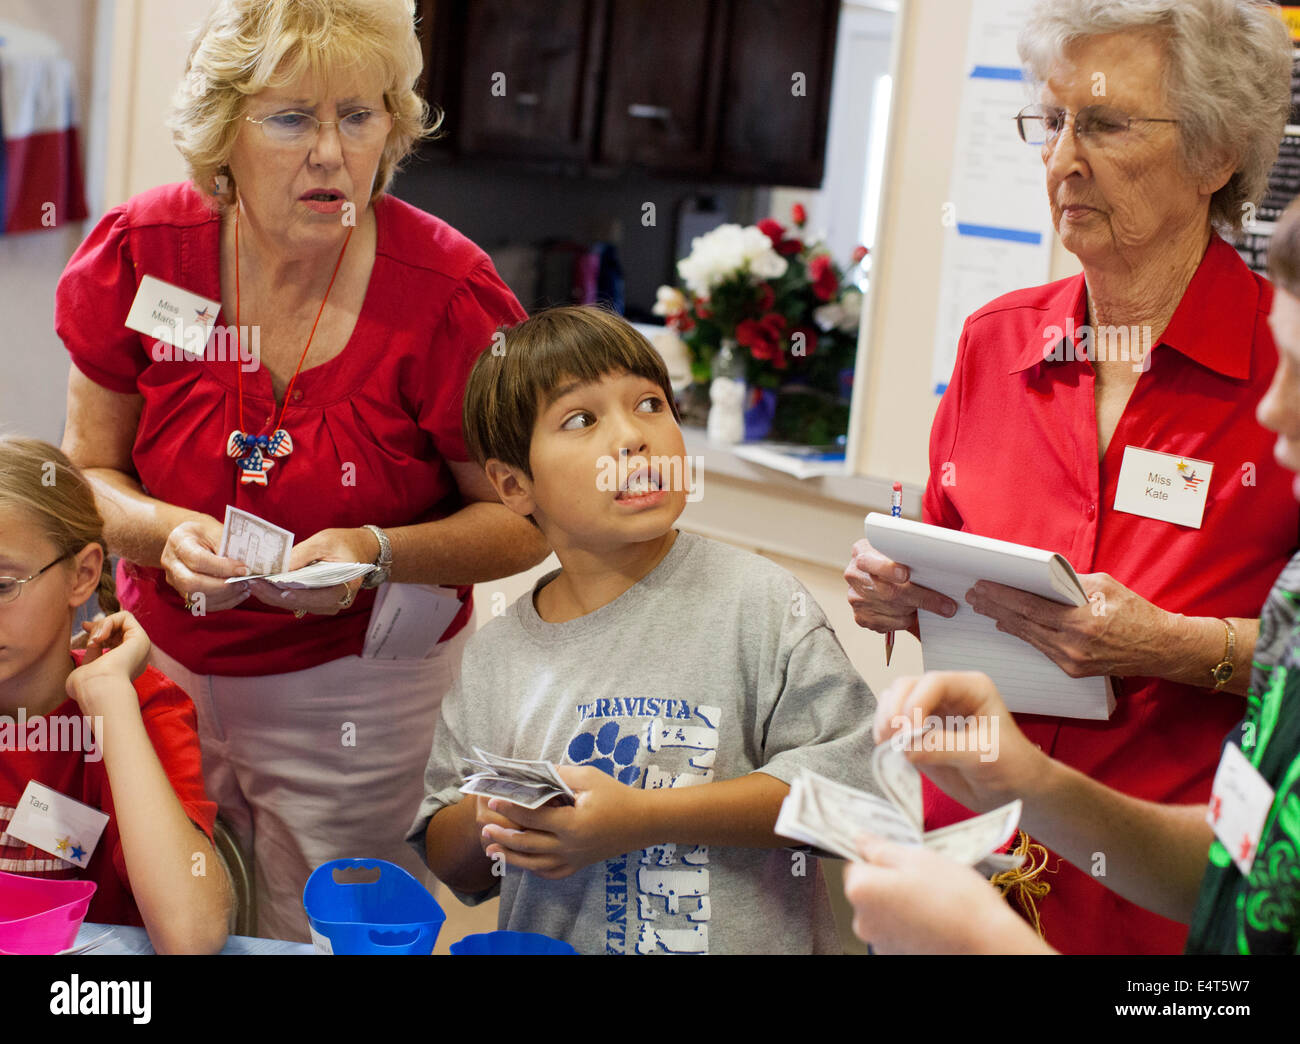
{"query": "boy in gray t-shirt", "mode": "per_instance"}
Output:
(678, 682)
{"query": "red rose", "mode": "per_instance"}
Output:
(798, 214)
(763, 338)
(682, 322)
(752, 334)
(766, 297)
(773, 229)
(702, 308)
(823, 279)
(859, 252)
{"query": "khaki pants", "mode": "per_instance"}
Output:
(319, 764)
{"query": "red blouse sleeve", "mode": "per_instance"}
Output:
(936, 506)
(172, 725)
(91, 304)
(478, 308)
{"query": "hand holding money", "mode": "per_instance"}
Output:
(321, 575)
(832, 816)
(968, 712)
(194, 566)
(557, 840)
(911, 899)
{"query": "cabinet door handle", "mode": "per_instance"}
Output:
(650, 112)
(528, 98)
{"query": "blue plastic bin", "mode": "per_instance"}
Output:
(510, 944)
(392, 915)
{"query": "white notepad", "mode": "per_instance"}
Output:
(950, 562)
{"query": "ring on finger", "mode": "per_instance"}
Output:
(348, 596)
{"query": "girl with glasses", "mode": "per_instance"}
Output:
(96, 725)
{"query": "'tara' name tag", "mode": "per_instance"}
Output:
(57, 824)
(168, 313)
(1163, 486)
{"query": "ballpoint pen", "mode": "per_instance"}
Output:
(895, 509)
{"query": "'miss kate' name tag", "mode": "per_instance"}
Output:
(168, 313)
(1239, 804)
(57, 824)
(1163, 486)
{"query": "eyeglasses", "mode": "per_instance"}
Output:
(1097, 124)
(361, 127)
(11, 587)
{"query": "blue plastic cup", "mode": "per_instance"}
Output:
(510, 944)
(391, 915)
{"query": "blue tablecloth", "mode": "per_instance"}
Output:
(126, 941)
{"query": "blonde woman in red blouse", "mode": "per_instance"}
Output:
(334, 412)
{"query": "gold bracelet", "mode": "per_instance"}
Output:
(1221, 672)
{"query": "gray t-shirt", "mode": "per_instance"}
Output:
(716, 664)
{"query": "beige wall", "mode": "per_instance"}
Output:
(899, 347)
(34, 364)
(151, 39)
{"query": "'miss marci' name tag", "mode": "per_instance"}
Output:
(1239, 804)
(1163, 486)
(168, 313)
(57, 824)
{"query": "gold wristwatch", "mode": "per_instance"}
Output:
(1221, 672)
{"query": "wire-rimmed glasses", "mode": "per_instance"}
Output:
(1101, 124)
(361, 127)
(11, 586)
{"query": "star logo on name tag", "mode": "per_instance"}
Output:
(1247, 847)
(1191, 481)
(1182, 466)
(77, 854)
(1216, 809)
(61, 845)
(203, 316)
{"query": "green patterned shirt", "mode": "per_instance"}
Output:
(1260, 912)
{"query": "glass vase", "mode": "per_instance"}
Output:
(727, 395)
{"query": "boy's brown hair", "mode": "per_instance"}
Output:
(516, 379)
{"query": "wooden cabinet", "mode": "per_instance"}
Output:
(659, 96)
(776, 90)
(702, 88)
(527, 87)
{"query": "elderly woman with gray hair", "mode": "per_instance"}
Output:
(1158, 121)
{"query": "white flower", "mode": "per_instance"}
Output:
(851, 305)
(829, 316)
(669, 301)
(724, 252)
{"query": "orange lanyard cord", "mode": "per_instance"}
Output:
(239, 329)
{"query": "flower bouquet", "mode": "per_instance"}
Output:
(764, 305)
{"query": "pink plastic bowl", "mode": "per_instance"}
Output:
(39, 915)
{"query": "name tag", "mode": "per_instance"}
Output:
(1163, 486)
(168, 313)
(1239, 804)
(57, 824)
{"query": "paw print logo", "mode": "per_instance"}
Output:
(606, 751)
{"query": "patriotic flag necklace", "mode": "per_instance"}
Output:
(256, 454)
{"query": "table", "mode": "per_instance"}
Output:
(128, 941)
